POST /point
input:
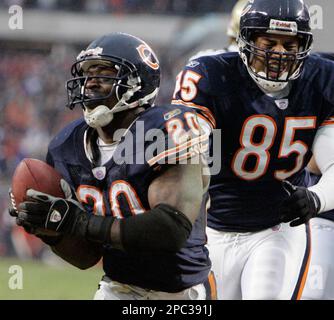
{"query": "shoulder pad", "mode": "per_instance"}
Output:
(66, 133)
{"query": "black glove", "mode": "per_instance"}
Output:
(301, 205)
(62, 216)
(44, 211)
(30, 228)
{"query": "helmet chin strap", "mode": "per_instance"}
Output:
(98, 117)
(101, 116)
(267, 85)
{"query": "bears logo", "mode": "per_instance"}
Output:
(147, 55)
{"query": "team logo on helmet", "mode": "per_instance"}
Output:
(95, 52)
(148, 56)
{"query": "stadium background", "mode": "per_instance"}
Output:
(34, 65)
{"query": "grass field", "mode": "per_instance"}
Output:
(42, 281)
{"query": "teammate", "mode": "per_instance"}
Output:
(274, 106)
(138, 209)
(234, 25)
(232, 32)
(320, 279)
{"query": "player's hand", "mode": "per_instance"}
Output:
(43, 211)
(13, 211)
(301, 205)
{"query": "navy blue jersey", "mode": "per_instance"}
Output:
(325, 55)
(263, 140)
(120, 188)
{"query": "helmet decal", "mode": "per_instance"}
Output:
(90, 52)
(146, 53)
(283, 27)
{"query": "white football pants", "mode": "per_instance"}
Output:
(320, 279)
(113, 290)
(270, 264)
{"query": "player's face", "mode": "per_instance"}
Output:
(100, 87)
(279, 44)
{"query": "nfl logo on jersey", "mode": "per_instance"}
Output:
(282, 104)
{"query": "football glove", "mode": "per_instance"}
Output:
(63, 216)
(301, 205)
(43, 211)
(37, 230)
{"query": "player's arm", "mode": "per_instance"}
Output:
(77, 251)
(323, 150)
(313, 167)
(305, 203)
(175, 198)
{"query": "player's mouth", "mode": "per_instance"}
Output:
(275, 70)
(93, 94)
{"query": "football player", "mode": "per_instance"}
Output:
(274, 104)
(232, 32)
(135, 204)
(320, 280)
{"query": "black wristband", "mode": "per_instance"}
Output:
(161, 229)
(99, 229)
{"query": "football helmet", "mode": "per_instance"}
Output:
(234, 23)
(136, 83)
(283, 17)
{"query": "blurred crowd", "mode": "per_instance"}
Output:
(177, 7)
(32, 106)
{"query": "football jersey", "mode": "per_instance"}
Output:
(120, 188)
(325, 55)
(264, 140)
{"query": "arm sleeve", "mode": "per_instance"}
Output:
(323, 150)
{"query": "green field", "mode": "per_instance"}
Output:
(42, 281)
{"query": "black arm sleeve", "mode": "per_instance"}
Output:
(163, 228)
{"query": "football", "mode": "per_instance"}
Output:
(35, 174)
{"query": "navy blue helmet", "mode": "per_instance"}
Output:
(282, 17)
(138, 72)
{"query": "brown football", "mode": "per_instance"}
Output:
(38, 175)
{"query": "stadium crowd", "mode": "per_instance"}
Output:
(32, 109)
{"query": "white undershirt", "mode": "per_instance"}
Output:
(106, 150)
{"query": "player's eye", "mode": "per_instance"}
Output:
(291, 48)
(106, 80)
